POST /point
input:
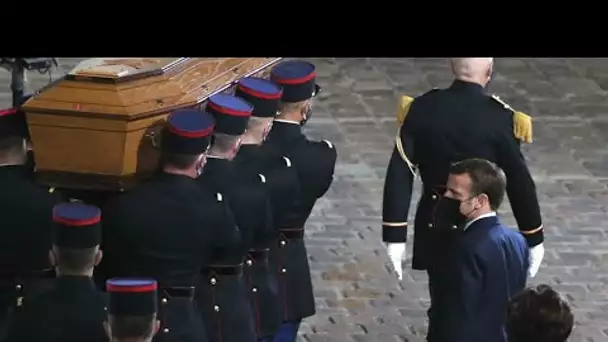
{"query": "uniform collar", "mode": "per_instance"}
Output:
(467, 86)
(283, 131)
(469, 223)
(75, 281)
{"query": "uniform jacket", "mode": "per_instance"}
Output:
(73, 310)
(314, 162)
(486, 266)
(26, 220)
(282, 188)
(442, 127)
(167, 229)
(246, 196)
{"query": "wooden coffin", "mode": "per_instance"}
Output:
(98, 127)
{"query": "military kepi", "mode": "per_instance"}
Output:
(188, 131)
(132, 297)
(231, 113)
(263, 94)
(298, 79)
(77, 225)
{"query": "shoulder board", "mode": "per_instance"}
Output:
(522, 123)
(403, 107)
(404, 104)
(287, 161)
(219, 197)
(51, 190)
(262, 178)
(328, 143)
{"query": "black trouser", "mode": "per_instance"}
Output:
(180, 319)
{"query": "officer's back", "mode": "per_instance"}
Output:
(73, 309)
(25, 217)
(227, 312)
(167, 228)
(162, 228)
(456, 123)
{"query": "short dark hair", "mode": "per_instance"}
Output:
(131, 327)
(486, 178)
(75, 260)
(539, 314)
(178, 160)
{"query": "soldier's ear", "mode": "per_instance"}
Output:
(52, 258)
(98, 256)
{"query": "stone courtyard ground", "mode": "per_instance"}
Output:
(358, 299)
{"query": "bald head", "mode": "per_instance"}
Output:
(477, 70)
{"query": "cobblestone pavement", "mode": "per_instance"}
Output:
(357, 298)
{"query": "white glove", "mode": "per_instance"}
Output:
(537, 253)
(396, 252)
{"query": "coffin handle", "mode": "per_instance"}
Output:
(153, 138)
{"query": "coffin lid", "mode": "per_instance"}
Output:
(133, 88)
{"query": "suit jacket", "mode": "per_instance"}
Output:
(485, 267)
(73, 310)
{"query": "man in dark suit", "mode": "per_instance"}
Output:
(486, 264)
(167, 228)
(25, 218)
(281, 181)
(224, 295)
(133, 314)
(314, 162)
(73, 309)
(539, 313)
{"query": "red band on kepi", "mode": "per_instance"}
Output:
(231, 113)
(10, 111)
(259, 88)
(131, 285)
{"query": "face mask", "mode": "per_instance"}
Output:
(448, 214)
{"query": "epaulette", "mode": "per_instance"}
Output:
(522, 123)
(403, 107)
(328, 143)
(404, 103)
(219, 197)
(51, 190)
(262, 178)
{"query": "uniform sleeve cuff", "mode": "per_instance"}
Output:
(536, 237)
(392, 233)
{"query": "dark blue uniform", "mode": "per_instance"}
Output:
(73, 309)
(486, 266)
(167, 228)
(223, 294)
(314, 162)
(442, 127)
(26, 221)
(281, 183)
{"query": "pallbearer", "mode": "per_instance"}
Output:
(132, 310)
(25, 217)
(166, 228)
(73, 308)
(315, 162)
(224, 294)
(281, 183)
